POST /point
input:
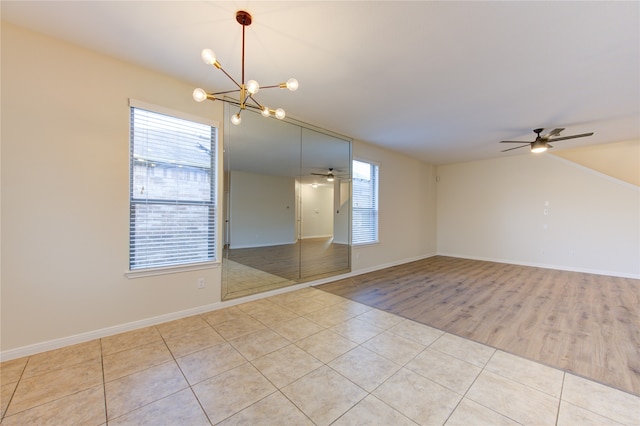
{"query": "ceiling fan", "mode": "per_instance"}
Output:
(542, 141)
(330, 176)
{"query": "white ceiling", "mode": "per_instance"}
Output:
(441, 81)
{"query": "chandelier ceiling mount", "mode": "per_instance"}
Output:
(247, 89)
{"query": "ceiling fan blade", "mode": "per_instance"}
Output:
(549, 146)
(318, 174)
(554, 132)
(571, 137)
(511, 149)
(514, 142)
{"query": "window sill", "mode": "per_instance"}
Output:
(371, 243)
(150, 272)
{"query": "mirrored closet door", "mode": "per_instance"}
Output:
(286, 204)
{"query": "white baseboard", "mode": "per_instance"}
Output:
(122, 328)
(544, 265)
(390, 264)
(271, 244)
(310, 237)
(103, 332)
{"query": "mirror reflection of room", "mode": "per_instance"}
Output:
(287, 205)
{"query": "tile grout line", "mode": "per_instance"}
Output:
(324, 328)
(15, 389)
(250, 362)
(471, 385)
(324, 364)
(182, 372)
(564, 375)
(104, 386)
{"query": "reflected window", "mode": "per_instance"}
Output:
(365, 203)
(172, 191)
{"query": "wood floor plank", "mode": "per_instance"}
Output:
(586, 324)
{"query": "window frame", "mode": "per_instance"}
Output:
(213, 203)
(354, 209)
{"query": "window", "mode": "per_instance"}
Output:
(172, 191)
(365, 203)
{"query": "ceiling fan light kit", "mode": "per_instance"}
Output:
(538, 146)
(247, 89)
(329, 176)
(541, 144)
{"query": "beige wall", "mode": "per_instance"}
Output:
(262, 210)
(620, 160)
(65, 180)
(495, 210)
(65, 205)
(407, 210)
(317, 210)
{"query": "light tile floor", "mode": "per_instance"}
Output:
(242, 280)
(300, 358)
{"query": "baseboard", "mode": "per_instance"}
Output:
(109, 331)
(544, 265)
(103, 332)
(310, 237)
(271, 244)
(390, 264)
(147, 322)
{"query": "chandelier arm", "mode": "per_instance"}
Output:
(243, 27)
(236, 103)
(246, 93)
(256, 102)
(224, 93)
(229, 101)
(254, 107)
(274, 86)
(231, 78)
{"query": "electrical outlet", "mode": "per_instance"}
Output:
(200, 282)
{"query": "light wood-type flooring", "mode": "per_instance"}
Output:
(254, 270)
(305, 357)
(582, 323)
(297, 262)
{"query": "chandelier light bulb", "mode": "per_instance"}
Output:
(245, 90)
(253, 87)
(208, 57)
(292, 84)
(199, 95)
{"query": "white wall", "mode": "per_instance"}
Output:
(317, 211)
(495, 210)
(65, 205)
(262, 210)
(341, 205)
(407, 210)
(65, 208)
(65, 180)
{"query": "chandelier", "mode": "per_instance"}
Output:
(247, 90)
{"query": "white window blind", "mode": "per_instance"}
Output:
(172, 191)
(365, 203)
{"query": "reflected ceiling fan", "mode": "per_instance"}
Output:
(330, 176)
(542, 141)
